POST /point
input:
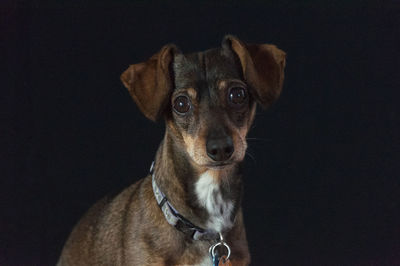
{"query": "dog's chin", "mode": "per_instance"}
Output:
(209, 165)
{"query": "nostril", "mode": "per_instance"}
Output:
(228, 150)
(214, 151)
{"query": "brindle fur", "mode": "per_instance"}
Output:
(130, 229)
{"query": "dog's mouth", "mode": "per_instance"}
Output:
(219, 165)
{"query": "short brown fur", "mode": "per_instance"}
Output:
(130, 228)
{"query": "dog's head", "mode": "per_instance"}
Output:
(208, 99)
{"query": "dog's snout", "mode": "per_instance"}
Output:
(220, 149)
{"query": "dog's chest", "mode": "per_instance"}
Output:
(209, 195)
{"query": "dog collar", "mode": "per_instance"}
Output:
(177, 220)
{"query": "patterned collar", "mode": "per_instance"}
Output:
(177, 220)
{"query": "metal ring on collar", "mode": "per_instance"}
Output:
(218, 244)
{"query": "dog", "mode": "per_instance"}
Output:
(187, 211)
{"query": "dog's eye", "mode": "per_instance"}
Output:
(237, 96)
(182, 104)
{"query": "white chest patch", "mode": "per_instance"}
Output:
(206, 261)
(209, 195)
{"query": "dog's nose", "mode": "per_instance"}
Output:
(220, 149)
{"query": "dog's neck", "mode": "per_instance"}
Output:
(209, 198)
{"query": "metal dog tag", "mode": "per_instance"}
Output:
(224, 261)
(215, 258)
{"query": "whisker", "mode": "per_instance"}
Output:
(251, 156)
(258, 139)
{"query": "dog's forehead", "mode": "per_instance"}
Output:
(202, 70)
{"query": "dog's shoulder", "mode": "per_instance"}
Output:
(102, 226)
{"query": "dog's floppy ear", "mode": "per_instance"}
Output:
(150, 83)
(263, 68)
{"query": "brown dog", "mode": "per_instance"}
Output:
(189, 207)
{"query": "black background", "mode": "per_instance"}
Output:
(323, 188)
